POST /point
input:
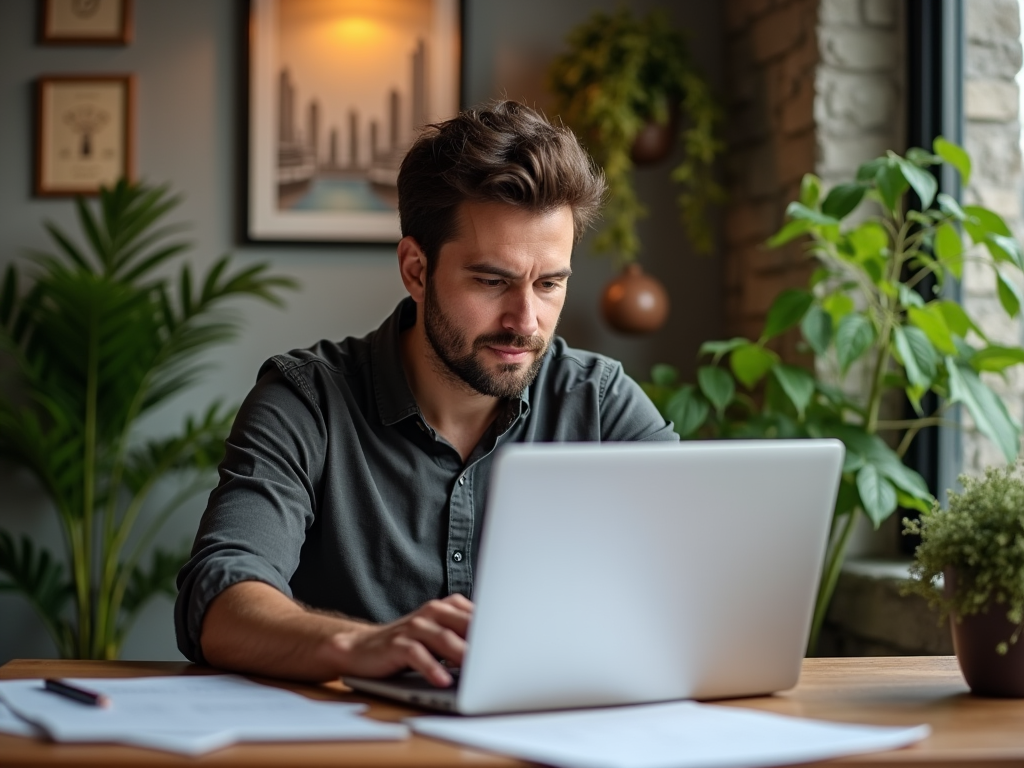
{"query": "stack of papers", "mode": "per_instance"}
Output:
(682, 734)
(187, 715)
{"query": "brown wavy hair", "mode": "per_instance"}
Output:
(503, 152)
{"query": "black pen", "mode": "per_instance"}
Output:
(78, 694)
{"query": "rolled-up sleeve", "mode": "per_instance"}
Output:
(256, 519)
(627, 413)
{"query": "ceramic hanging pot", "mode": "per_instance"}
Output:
(653, 143)
(634, 302)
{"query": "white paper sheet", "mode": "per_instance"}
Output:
(681, 734)
(11, 724)
(191, 715)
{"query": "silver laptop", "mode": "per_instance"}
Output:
(623, 573)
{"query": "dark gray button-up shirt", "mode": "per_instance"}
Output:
(336, 491)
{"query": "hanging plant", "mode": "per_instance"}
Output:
(620, 76)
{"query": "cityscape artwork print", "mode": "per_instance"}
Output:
(338, 91)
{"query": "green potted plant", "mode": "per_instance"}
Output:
(626, 85)
(975, 548)
(861, 315)
(102, 336)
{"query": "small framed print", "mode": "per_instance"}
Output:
(84, 133)
(86, 22)
(337, 92)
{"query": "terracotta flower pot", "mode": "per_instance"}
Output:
(634, 302)
(975, 639)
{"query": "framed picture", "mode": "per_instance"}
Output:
(85, 22)
(84, 133)
(337, 92)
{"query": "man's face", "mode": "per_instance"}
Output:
(494, 298)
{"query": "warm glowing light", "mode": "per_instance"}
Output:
(357, 30)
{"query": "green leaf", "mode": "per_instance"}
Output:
(719, 348)
(1009, 294)
(934, 326)
(876, 494)
(922, 182)
(907, 501)
(891, 185)
(874, 451)
(797, 210)
(985, 407)
(981, 221)
(664, 375)
(810, 190)
(869, 171)
(909, 297)
(817, 329)
(786, 311)
(957, 320)
(854, 337)
(955, 156)
(838, 305)
(798, 385)
(996, 359)
(1004, 248)
(687, 410)
(949, 249)
(919, 358)
(751, 362)
(791, 231)
(949, 206)
(717, 385)
(920, 157)
(842, 200)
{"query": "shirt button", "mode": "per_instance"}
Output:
(462, 480)
(457, 556)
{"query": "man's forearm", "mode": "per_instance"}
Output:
(252, 627)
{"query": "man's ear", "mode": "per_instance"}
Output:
(412, 265)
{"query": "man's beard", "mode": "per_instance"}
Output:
(509, 380)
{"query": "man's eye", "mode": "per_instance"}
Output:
(550, 285)
(490, 283)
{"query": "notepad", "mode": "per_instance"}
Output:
(682, 734)
(190, 715)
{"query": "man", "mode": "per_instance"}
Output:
(355, 474)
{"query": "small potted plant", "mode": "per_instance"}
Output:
(976, 546)
(627, 87)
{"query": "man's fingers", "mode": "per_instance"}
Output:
(420, 659)
(459, 601)
(438, 639)
(448, 615)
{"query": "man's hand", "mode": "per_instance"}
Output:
(438, 629)
(252, 627)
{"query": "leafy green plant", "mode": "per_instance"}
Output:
(981, 538)
(99, 339)
(861, 315)
(620, 73)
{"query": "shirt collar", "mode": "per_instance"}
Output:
(395, 400)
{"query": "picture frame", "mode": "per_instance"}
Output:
(336, 91)
(84, 133)
(85, 22)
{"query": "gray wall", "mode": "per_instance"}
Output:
(186, 60)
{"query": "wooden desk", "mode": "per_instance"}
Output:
(886, 691)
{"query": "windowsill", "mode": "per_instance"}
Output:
(869, 616)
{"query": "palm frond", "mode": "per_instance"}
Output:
(36, 575)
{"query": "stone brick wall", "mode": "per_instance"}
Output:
(992, 136)
(772, 55)
(814, 86)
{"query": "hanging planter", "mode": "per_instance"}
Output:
(628, 88)
(634, 302)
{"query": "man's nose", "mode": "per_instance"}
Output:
(520, 313)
